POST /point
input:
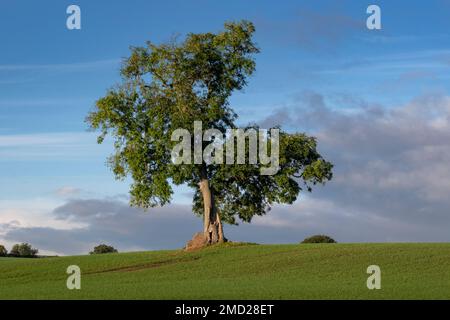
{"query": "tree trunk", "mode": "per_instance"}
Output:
(212, 226)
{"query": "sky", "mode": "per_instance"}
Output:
(377, 100)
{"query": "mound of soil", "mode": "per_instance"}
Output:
(198, 241)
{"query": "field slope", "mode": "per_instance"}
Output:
(330, 271)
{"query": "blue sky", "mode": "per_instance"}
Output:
(314, 55)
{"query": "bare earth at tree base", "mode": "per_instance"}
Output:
(198, 241)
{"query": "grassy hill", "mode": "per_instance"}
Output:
(232, 271)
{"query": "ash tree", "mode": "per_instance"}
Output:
(169, 86)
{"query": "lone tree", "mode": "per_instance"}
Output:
(169, 86)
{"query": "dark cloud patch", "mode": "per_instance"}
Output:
(325, 30)
(391, 183)
(345, 223)
(391, 163)
(174, 225)
(5, 227)
(319, 31)
(115, 223)
(279, 117)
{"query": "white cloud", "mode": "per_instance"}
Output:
(35, 212)
(41, 139)
(67, 191)
(52, 146)
(74, 66)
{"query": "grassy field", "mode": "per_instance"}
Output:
(336, 271)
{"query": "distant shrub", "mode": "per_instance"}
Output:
(3, 251)
(23, 250)
(103, 248)
(319, 238)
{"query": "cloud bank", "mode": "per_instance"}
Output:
(391, 183)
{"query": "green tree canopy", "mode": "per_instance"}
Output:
(169, 86)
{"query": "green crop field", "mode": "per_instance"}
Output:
(238, 271)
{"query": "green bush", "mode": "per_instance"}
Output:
(3, 251)
(23, 250)
(103, 248)
(319, 238)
